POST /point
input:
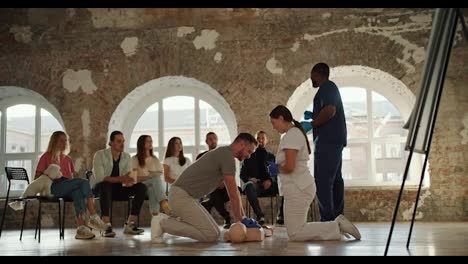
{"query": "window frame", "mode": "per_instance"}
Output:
(387, 86)
(199, 145)
(39, 103)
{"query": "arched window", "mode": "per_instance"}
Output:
(26, 122)
(174, 106)
(376, 107)
(178, 115)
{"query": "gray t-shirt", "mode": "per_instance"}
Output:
(204, 175)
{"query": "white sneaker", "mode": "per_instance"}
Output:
(132, 229)
(95, 222)
(346, 227)
(156, 230)
(83, 232)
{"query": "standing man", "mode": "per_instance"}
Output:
(329, 130)
(219, 197)
(190, 218)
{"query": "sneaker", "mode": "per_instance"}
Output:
(166, 209)
(83, 232)
(205, 199)
(227, 224)
(156, 230)
(279, 221)
(347, 228)
(108, 232)
(96, 223)
(261, 220)
(132, 229)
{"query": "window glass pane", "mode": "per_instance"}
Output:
(49, 124)
(386, 118)
(20, 135)
(179, 119)
(211, 121)
(355, 108)
(388, 141)
(147, 124)
(393, 150)
(394, 160)
(346, 154)
(190, 156)
(356, 167)
(393, 177)
(378, 151)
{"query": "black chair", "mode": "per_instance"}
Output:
(20, 174)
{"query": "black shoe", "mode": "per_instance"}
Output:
(108, 232)
(261, 220)
(227, 224)
(132, 229)
(279, 221)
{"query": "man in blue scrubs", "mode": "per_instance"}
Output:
(329, 129)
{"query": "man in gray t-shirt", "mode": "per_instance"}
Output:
(190, 218)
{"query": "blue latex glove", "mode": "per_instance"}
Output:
(273, 168)
(308, 115)
(307, 126)
(250, 223)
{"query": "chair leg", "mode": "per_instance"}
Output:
(63, 220)
(60, 219)
(24, 216)
(277, 207)
(271, 207)
(129, 204)
(40, 224)
(3, 216)
(248, 207)
(37, 224)
(110, 213)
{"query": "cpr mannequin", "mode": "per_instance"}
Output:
(238, 233)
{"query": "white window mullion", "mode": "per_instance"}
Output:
(197, 126)
(161, 129)
(3, 119)
(371, 157)
(37, 138)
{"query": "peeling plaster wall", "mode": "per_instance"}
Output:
(85, 61)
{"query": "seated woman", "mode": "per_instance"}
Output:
(78, 189)
(174, 161)
(149, 170)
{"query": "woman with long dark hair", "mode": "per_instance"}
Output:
(174, 161)
(297, 185)
(149, 170)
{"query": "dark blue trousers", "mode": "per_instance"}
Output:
(329, 181)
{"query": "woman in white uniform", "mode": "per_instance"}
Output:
(297, 185)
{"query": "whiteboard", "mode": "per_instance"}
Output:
(430, 90)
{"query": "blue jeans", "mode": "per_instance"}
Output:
(329, 181)
(77, 188)
(156, 193)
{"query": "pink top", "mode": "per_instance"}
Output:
(66, 164)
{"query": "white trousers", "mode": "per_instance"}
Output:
(296, 207)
